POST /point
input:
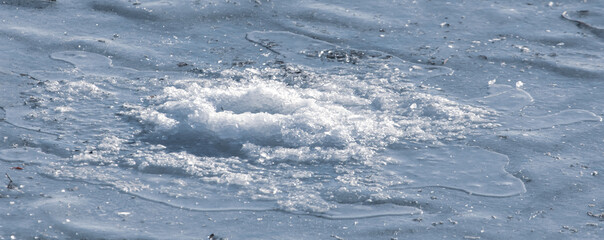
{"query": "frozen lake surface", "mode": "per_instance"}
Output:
(258, 119)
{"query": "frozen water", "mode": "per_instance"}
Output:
(552, 120)
(505, 98)
(357, 120)
(472, 170)
(591, 19)
(305, 50)
(355, 211)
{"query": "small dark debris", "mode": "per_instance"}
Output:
(292, 70)
(242, 63)
(343, 55)
(434, 61)
(523, 177)
(182, 64)
(437, 223)
(483, 57)
(11, 184)
(196, 71)
(583, 13)
(45, 196)
(27, 75)
(270, 44)
(16, 168)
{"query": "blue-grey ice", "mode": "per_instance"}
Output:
(258, 119)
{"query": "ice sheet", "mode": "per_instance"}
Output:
(321, 119)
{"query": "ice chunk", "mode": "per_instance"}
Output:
(468, 169)
(91, 63)
(27, 155)
(506, 98)
(547, 121)
(510, 101)
(587, 18)
(355, 211)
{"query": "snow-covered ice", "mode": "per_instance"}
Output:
(243, 119)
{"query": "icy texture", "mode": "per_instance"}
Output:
(263, 125)
(506, 98)
(261, 130)
(513, 100)
(163, 119)
(472, 170)
(592, 19)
